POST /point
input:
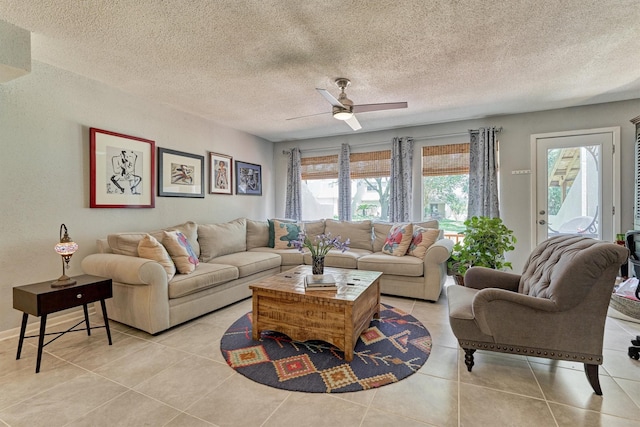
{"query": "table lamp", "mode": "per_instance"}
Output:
(65, 248)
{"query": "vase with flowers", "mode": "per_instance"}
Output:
(319, 247)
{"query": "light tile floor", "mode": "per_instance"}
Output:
(179, 378)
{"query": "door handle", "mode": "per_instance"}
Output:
(542, 222)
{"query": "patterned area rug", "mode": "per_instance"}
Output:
(392, 348)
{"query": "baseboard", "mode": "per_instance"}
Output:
(34, 322)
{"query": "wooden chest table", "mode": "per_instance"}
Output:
(281, 304)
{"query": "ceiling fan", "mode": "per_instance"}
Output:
(344, 109)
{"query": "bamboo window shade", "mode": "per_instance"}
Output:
(451, 159)
(362, 165)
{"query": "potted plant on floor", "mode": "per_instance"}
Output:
(485, 242)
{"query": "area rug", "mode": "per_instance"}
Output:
(392, 348)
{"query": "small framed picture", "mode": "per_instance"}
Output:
(220, 174)
(122, 169)
(180, 174)
(248, 179)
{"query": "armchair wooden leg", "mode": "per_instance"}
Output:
(468, 357)
(591, 371)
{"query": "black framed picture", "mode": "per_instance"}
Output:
(248, 179)
(180, 174)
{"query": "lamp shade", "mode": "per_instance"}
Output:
(66, 248)
(343, 115)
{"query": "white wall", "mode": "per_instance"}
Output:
(45, 118)
(515, 190)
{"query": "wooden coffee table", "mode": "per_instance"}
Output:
(281, 304)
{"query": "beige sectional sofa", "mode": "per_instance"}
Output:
(235, 254)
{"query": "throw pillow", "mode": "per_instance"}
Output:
(398, 239)
(150, 248)
(272, 232)
(422, 239)
(284, 233)
(181, 251)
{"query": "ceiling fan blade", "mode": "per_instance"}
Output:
(354, 123)
(332, 100)
(363, 108)
(310, 115)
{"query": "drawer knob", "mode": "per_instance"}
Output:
(79, 296)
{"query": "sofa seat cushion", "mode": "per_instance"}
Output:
(249, 263)
(389, 264)
(205, 276)
(338, 259)
(288, 256)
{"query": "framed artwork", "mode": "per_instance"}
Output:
(180, 174)
(220, 174)
(248, 179)
(122, 170)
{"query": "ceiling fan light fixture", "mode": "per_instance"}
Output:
(343, 115)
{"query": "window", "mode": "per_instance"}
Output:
(370, 173)
(445, 185)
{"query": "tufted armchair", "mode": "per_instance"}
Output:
(556, 309)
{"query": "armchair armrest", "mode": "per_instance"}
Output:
(482, 278)
(492, 306)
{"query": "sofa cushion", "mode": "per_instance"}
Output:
(205, 276)
(393, 265)
(380, 233)
(358, 232)
(398, 239)
(150, 248)
(126, 243)
(288, 256)
(422, 239)
(336, 258)
(313, 228)
(284, 234)
(257, 234)
(249, 263)
(181, 251)
(222, 239)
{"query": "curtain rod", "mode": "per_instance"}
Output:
(420, 138)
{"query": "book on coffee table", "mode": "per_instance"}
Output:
(320, 281)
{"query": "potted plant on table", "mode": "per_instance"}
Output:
(319, 248)
(485, 242)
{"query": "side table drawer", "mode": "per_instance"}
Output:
(75, 296)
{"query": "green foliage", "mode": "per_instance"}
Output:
(486, 240)
(450, 189)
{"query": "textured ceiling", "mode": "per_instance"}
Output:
(251, 64)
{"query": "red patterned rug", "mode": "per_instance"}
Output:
(392, 348)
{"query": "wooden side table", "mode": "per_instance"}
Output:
(40, 299)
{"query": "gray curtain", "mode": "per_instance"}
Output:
(293, 203)
(401, 179)
(344, 184)
(483, 173)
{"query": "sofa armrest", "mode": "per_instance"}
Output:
(125, 269)
(438, 253)
(483, 277)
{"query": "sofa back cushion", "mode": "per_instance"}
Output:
(359, 232)
(257, 234)
(127, 243)
(313, 228)
(380, 233)
(222, 239)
